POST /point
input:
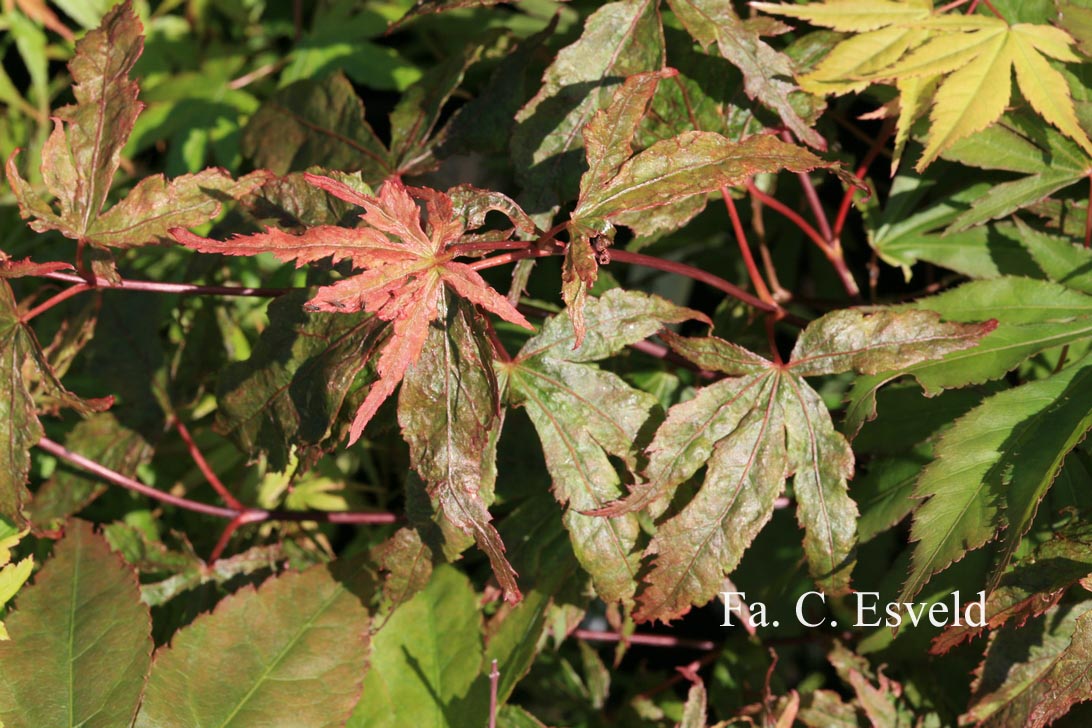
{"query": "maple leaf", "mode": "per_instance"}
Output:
(82, 155)
(670, 171)
(29, 373)
(584, 416)
(962, 63)
(716, 21)
(752, 431)
(406, 268)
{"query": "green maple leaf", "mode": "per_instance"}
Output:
(754, 429)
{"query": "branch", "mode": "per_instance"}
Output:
(651, 640)
(252, 515)
(186, 289)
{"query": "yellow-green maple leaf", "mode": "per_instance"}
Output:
(12, 576)
(960, 65)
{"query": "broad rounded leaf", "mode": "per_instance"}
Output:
(80, 641)
(292, 652)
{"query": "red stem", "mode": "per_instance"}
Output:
(671, 266)
(117, 478)
(651, 640)
(207, 471)
(770, 336)
(494, 684)
(256, 514)
(951, 6)
(498, 345)
(790, 214)
(54, 300)
(504, 258)
(745, 249)
(233, 525)
(993, 10)
(182, 288)
(873, 152)
(472, 248)
(812, 196)
(832, 251)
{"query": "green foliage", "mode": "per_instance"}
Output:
(285, 442)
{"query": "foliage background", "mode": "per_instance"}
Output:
(342, 571)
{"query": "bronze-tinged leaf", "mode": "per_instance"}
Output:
(231, 666)
(608, 137)
(608, 143)
(289, 393)
(316, 123)
(689, 164)
(28, 372)
(156, 205)
(1035, 584)
(414, 119)
(868, 343)
(746, 470)
(751, 431)
(81, 640)
(407, 562)
(620, 39)
(448, 412)
(765, 71)
(823, 464)
(84, 150)
(26, 267)
(407, 266)
(83, 153)
(1034, 675)
(584, 416)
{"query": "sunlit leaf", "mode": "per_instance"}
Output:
(752, 431)
(80, 640)
(407, 267)
(426, 661)
(584, 417)
(993, 467)
(230, 667)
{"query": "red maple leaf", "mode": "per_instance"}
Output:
(405, 269)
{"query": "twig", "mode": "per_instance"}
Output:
(494, 684)
(831, 249)
(498, 345)
(54, 300)
(993, 10)
(181, 288)
(671, 266)
(791, 215)
(505, 258)
(112, 476)
(745, 249)
(206, 470)
(873, 151)
(254, 514)
(233, 525)
(650, 640)
(812, 196)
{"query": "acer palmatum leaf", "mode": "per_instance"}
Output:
(405, 269)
